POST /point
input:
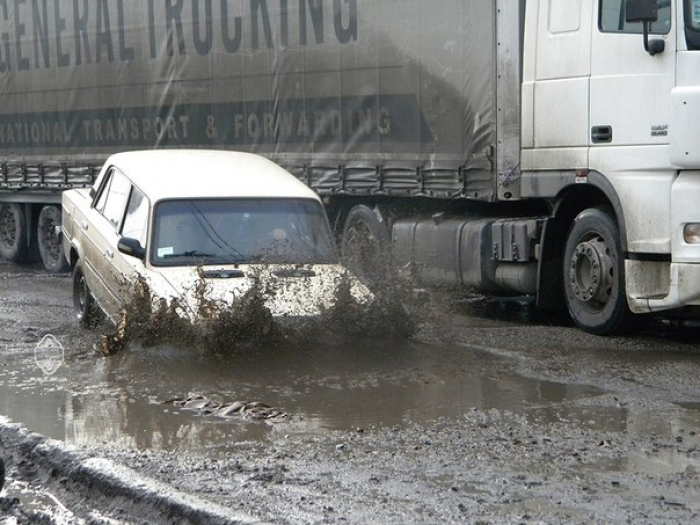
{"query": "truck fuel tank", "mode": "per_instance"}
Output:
(484, 254)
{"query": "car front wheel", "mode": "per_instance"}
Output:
(86, 310)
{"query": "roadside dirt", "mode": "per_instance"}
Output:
(487, 414)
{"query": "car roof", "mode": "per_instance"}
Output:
(196, 173)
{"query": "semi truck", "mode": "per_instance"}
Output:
(534, 147)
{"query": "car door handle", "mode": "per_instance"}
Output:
(84, 225)
(109, 253)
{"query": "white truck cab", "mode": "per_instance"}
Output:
(611, 102)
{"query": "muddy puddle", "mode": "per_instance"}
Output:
(323, 385)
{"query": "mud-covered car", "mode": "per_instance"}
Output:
(187, 222)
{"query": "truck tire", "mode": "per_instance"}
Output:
(365, 243)
(13, 232)
(49, 239)
(594, 284)
(86, 310)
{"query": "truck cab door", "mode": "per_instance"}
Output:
(631, 89)
(556, 84)
(630, 113)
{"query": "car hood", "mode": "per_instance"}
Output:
(289, 290)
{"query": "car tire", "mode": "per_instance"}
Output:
(86, 309)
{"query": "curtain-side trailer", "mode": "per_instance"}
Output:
(539, 147)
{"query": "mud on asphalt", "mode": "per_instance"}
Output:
(487, 414)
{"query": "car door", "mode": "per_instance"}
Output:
(100, 246)
(127, 269)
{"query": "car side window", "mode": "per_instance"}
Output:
(102, 200)
(136, 218)
(112, 200)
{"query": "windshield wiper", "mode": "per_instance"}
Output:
(196, 254)
(190, 253)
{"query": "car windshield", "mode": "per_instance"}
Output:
(229, 231)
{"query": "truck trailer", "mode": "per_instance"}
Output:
(536, 147)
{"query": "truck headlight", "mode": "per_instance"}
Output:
(691, 233)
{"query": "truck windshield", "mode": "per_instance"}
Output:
(232, 231)
(692, 23)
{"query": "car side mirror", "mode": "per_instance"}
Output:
(646, 12)
(132, 247)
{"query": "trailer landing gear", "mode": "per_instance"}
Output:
(593, 274)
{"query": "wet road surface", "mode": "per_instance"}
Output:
(488, 412)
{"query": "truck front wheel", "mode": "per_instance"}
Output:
(594, 286)
(13, 232)
(49, 239)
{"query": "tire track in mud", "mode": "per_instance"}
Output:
(92, 486)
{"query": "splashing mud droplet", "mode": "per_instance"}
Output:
(247, 320)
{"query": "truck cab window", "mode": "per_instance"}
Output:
(613, 19)
(692, 23)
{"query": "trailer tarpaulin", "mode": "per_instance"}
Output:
(393, 97)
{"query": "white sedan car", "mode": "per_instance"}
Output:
(175, 218)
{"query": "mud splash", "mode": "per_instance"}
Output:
(247, 321)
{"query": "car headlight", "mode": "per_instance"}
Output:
(691, 233)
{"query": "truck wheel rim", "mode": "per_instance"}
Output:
(8, 228)
(364, 249)
(51, 240)
(363, 242)
(591, 272)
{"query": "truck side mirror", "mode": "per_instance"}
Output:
(132, 247)
(646, 12)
